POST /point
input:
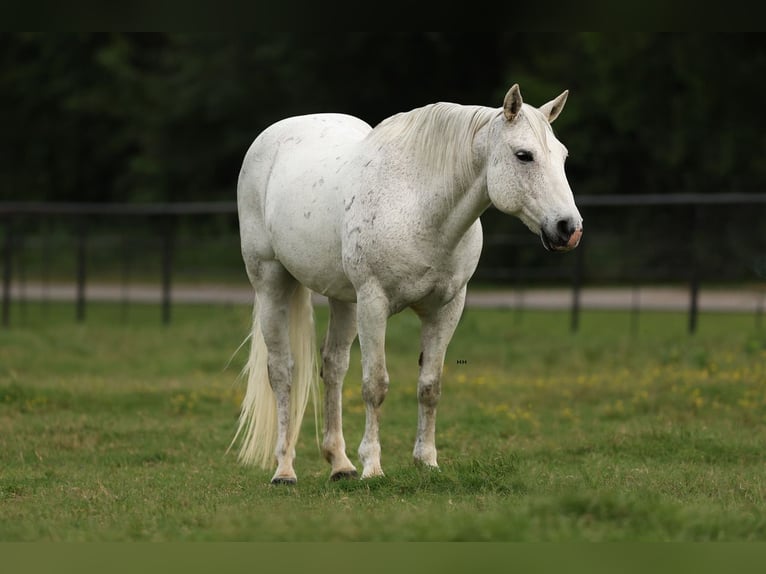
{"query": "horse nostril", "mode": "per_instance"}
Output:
(565, 228)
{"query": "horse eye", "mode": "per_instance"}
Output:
(525, 156)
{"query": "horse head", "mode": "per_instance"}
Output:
(525, 171)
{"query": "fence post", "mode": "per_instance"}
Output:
(519, 296)
(576, 285)
(694, 280)
(46, 263)
(21, 272)
(7, 271)
(125, 275)
(635, 308)
(82, 252)
(168, 229)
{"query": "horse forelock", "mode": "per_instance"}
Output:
(437, 137)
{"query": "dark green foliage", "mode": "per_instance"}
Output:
(168, 117)
(126, 117)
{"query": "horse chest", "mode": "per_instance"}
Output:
(409, 262)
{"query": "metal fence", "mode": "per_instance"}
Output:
(630, 240)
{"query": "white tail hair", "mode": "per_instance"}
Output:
(258, 418)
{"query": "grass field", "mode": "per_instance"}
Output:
(116, 430)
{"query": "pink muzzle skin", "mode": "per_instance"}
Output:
(574, 238)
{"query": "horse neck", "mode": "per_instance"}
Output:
(456, 205)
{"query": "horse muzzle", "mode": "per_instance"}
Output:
(565, 236)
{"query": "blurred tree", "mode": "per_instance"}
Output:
(141, 117)
(72, 110)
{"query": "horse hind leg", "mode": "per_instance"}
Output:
(280, 367)
(276, 290)
(341, 333)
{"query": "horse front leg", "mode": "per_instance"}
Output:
(372, 315)
(437, 329)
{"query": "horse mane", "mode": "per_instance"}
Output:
(439, 137)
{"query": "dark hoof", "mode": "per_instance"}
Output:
(344, 475)
(283, 480)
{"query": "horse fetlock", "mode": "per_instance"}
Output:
(332, 449)
(334, 452)
(284, 455)
(369, 454)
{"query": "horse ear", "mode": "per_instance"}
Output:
(512, 102)
(552, 109)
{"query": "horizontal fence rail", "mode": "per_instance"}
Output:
(656, 199)
(12, 208)
(673, 228)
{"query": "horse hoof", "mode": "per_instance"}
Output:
(426, 466)
(373, 474)
(283, 480)
(344, 475)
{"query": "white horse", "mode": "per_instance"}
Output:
(378, 220)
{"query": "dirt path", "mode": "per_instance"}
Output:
(746, 299)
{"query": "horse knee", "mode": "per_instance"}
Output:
(374, 390)
(429, 391)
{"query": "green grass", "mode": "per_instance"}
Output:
(117, 430)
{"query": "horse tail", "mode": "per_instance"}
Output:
(258, 418)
